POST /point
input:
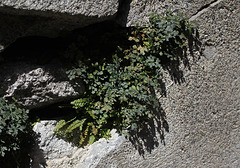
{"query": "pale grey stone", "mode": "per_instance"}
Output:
(53, 152)
(139, 10)
(48, 146)
(37, 86)
(100, 149)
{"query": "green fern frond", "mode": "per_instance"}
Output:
(91, 113)
(60, 125)
(91, 139)
(83, 136)
(76, 124)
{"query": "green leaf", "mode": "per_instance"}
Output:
(60, 124)
(91, 139)
(76, 124)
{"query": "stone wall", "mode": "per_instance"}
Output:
(201, 126)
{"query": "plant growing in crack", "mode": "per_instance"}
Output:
(120, 90)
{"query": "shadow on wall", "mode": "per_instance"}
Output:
(37, 155)
(101, 37)
(153, 133)
(123, 11)
(24, 158)
(148, 138)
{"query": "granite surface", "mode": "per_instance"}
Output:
(203, 113)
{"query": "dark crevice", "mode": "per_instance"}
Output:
(204, 7)
(64, 19)
(54, 111)
(123, 11)
(91, 41)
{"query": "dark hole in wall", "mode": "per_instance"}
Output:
(93, 41)
(30, 49)
(54, 111)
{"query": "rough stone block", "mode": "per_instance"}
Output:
(98, 8)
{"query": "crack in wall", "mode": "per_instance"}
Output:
(123, 12)
(204, 9)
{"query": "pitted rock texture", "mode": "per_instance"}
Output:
(48, 146)
(203, 113)
(52, 152)
(37, 86)
(98, 8)
(139, 10)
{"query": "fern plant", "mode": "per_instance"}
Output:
(121, 90)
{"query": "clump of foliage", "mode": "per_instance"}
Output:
(14, 128)
(120, 91)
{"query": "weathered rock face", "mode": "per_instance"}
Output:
(48, 146)
(138, 11)
(37, 86)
